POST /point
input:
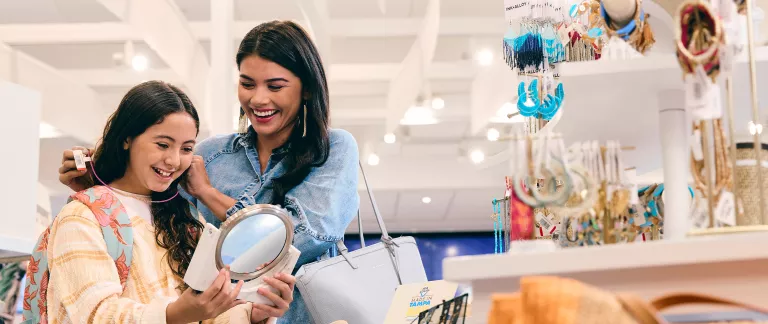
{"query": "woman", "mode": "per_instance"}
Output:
(146, 149)
(287, 157)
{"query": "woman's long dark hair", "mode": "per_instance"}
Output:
(288, 45)
(145, 105)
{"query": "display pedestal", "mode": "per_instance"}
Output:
(730, 266)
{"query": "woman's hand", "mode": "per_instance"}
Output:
(193, 306)
(284, 283)
(196, 182)
(70, 176)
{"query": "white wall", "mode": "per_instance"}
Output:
(19, 127)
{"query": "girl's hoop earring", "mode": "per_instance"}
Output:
(305, 122)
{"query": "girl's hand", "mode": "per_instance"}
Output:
(284, 283)
(70, 176)
(193, 306)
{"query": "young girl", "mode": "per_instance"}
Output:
(147, 146)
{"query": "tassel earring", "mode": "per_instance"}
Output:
(242, 126)
(305, 122)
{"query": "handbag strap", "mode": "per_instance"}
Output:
(385, 238)
(639, 309)
(384, 234)
(646, 313)
(678, 299)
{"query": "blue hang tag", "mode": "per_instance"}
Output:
(574, 10)
(595, 32)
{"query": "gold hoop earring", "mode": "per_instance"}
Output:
(242, 126)
(305, 122)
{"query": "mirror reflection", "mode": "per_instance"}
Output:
(253, 243)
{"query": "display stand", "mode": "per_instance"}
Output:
(712, 229)
(675, 159)
(730, 266)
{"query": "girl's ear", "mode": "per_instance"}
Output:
(127, 144)
(306, 96)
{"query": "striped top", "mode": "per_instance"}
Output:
(84, 284)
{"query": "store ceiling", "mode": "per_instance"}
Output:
(76, 39)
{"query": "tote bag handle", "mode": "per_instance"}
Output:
(385, 238)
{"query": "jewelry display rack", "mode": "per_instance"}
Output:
(729, 266)
(757, 145)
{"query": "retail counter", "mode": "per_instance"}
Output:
(733, 266)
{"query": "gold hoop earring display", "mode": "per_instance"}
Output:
(305, 122)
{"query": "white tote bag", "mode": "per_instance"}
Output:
(358, 286)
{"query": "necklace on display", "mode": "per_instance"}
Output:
(497, 227)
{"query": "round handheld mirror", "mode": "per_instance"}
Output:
(253, 241)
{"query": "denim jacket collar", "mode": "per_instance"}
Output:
(248, 139)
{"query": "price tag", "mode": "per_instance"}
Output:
(549, 83)
(696, 149)
(700, 214)
(695, 94)
(638, 218)
(516, 9)
(728, 12)
(544, 222)
(631, 176)
(725, 212)
(726, 59)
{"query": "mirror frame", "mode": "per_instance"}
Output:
(244, 214)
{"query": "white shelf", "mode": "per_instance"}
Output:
(699, 250)
(14, 247)
(651, 63)
(732, 266)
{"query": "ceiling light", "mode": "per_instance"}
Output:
(438, 103)
(493, 135)
(48, 131)
(418, 115)
(373, 159)
(477, 156)
(426, 200)
(484, 57)
(139, 62)
(755, 128)
(389, 138)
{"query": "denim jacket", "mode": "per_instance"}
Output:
(322, 206)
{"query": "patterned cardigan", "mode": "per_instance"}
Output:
(84, 284)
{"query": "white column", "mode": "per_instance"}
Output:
(221, 83)
(674, 125)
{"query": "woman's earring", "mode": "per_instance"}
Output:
(305, 121)
(242, 126)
